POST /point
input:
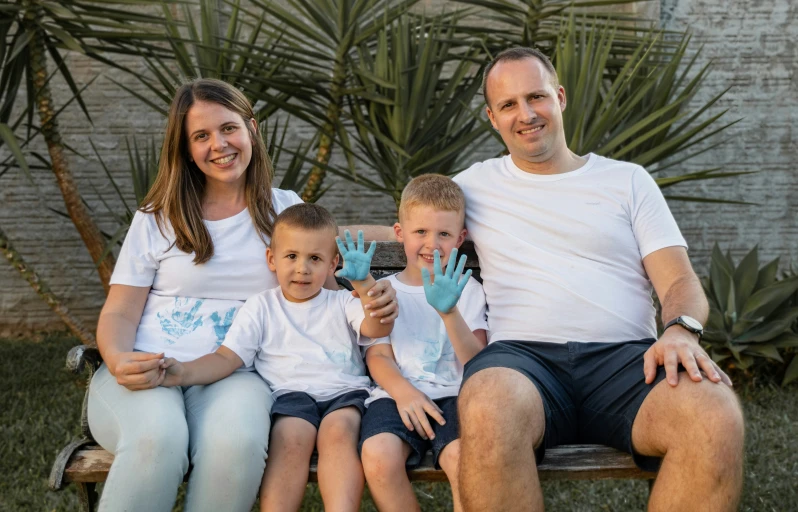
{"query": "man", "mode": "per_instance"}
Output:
(569, 248)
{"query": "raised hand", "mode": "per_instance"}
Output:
(357, 261)
(445, 291)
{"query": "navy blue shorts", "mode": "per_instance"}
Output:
(301, 405)
(591, 391)
(382, 416)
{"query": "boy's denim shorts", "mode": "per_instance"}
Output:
(382, 416)
(591, 391)
(301, 405)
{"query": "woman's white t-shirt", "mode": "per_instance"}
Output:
(190, 307)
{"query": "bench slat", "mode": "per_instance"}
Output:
(572, 462)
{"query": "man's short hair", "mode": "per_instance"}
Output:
(308, 217)
(519, 53)
(434, 191)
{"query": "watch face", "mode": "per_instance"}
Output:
(692, 323)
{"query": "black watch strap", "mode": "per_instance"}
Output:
(678, 320)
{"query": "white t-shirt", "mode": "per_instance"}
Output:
(311, 346)
(190, 307)
(561, 255)
(420, 344)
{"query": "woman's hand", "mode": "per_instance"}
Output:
(137, 370)
(383, 304)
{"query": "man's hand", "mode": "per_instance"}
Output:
(677, 345)
(445, 291)
(414, 406)
(384, 304)
(137, 370)
(174, 372)
(357, 261)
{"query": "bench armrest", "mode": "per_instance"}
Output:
(82, 355)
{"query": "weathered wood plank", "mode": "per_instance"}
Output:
(576, 462)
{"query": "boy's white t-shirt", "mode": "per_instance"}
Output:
(420, 344)
(561, 256)
(190, 307)
(310, 347)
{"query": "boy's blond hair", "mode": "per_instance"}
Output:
(308, 217)
(434, 191)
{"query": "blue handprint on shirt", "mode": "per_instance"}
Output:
(221, 326)
(177, 323)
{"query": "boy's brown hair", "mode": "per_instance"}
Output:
(432, 190)
(308, 217)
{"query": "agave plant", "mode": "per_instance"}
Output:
(638, 112)
(416, 117)
(751, 311)
(328, 34)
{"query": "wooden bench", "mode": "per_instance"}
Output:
(85, 464)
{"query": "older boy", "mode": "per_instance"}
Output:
(303, 340)
(419, 373)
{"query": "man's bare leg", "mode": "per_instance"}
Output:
(384, 457)
(339, 472)
(286, 476)
(449, 460)
(501, 422)
(698, 428)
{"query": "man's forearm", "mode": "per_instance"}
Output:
(685, 297)
(370, 232)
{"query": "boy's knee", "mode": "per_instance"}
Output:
(383, 457)
(449, 457)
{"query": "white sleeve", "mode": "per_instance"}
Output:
(246, 333)
(473, 307)
(138, 261)
(652, 222)
(284, 198)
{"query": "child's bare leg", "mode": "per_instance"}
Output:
(339, 471)
(286, 476)
(449, 460)
(384, 457)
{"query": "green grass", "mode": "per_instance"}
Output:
(40, 411)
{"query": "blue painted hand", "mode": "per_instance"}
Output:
(445, 291)
(357, 261)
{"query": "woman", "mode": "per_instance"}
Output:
(194, 253)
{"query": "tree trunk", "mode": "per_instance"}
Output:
(74, 323)
(323, 154)
(84, 223)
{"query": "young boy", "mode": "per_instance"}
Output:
(419, 373)
(303, 340)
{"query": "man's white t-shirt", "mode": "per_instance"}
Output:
(309, 347)
(190, 307)
(420, 344)
(561, 255)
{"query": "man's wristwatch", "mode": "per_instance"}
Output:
(689, 323)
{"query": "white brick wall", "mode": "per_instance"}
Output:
(752, 44)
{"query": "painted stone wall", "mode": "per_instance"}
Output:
(750, 42)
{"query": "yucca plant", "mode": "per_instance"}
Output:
(232, 46)
(416, 117)
(751, 311)
(328, 34)
(34, 31)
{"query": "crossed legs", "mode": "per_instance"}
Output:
(696, 427)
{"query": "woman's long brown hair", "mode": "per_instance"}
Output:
(180, 186)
